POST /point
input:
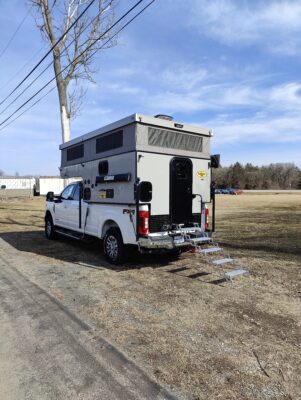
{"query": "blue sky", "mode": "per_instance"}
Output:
(233, 66)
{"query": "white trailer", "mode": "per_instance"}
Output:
(45, 184)
(144, 181)
(16, 186)
(16, 182)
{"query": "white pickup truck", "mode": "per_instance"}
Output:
(71, 216)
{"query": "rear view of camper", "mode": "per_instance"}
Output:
(142, 181)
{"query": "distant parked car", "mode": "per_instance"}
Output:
(235, 191)
(228, 191)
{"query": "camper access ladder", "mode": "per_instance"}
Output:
(205, 246)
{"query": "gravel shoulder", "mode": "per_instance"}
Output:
(48, 352)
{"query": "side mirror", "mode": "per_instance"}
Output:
(145, 192)
(50, 196)
(215, 161)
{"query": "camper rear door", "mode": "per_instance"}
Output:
(156, 168)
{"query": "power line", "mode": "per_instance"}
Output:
(48, 52)
(50, 64)
(115, 34)
(15, 33)
(51, 80)
(12, 77)
(9, 80)
(27, 87)
(27, 109)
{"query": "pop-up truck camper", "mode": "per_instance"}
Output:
(142, 181)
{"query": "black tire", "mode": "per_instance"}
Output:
(113, 247)
(49, 228)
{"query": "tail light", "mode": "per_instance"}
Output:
(143, 228)
(206, 218)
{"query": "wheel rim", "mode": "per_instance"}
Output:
(48, 228)
(112, 247)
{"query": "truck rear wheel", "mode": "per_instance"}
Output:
(113, 247)
(49, 228)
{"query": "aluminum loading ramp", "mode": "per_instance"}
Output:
(215, 255)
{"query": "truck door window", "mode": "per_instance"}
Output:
(76, 193)
(67, 192)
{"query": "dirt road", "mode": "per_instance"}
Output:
(47, 352)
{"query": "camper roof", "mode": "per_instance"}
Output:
(142, 119)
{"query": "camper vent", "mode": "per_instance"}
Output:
(109, 142)
(174, 140)
(164, 116)
(75, 152)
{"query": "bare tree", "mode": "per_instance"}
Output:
(72, 57)
(1, 172)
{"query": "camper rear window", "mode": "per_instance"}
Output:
(174, 140)
(75, 152)
(109, 142)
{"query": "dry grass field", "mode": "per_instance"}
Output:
(202, 340)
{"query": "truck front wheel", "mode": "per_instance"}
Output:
(113, 247)
(49, 228)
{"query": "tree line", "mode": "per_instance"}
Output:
(273, 176)
(238, 176)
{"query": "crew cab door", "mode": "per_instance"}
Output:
(63, 207)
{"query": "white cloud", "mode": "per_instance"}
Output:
(287, 95)
(263, 129)
(122, 88)
(274, 25)
(185, 76)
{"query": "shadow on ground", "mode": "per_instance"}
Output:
(78, 252)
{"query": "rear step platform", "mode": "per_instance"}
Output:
(205, 246)
(202, 239)
(236, 272)
(211, 250)
(222, 261)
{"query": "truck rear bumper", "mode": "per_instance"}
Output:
(170, 240)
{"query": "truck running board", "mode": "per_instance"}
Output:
(205, 246)
(68, 234)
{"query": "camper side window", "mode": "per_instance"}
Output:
(75, 152)
(109, 142)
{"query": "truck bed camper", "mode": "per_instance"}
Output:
(143, 181)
